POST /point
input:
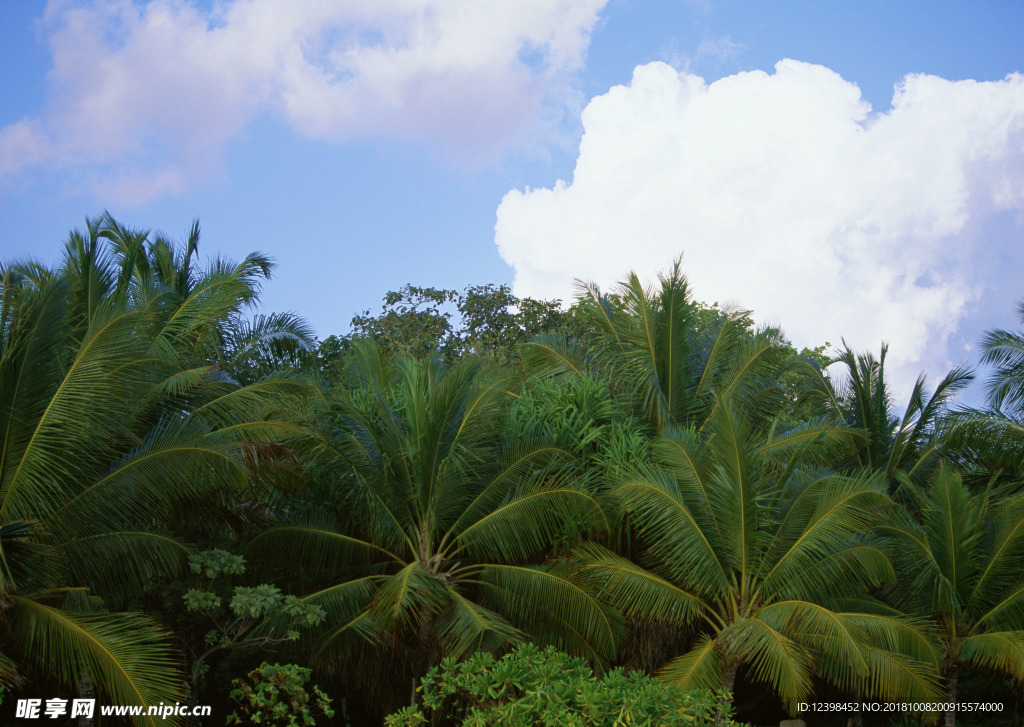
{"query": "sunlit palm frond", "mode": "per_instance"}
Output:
(635, 591)
(90, 397)
(699, 668)
(1001, 651)
(127, 654)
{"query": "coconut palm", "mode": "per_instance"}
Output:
(437, 543)
(903, 447)
(671, 357)
(986, 443)
(959, 561)
(1005, 350)
(108, 430)
(749, 540)
(57, 426)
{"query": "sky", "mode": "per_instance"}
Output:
(849, 171)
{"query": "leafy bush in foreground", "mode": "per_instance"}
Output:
(277, 696)
(531, 686)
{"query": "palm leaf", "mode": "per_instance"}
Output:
(699, 668)
(555, 602)
(126, 654)
(1002, 651)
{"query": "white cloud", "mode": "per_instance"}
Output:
(788, 196)
(152, 91)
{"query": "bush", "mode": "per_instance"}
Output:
(277, 696)
(530, 686)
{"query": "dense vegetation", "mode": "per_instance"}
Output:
(470, 484)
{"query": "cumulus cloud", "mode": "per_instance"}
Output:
(787, 195)
(144, 95)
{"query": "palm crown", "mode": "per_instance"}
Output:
(110, 421)
(748, 537)
(443, 523)
(960, 558)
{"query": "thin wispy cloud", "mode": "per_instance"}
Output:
(143, 97)
(789, 196)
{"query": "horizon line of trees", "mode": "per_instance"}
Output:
(188, 489)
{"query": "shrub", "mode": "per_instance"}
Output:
(277, 696)
(531, 686)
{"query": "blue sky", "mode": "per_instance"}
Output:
(369, 145)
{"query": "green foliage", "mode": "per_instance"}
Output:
(1005, 350)
(800, 372)
(574, 413)
(986, 444)
(454, 508)
(534, 686)
(960, 560)
(412, 322)
(256, 617)
(215, 562)
(750, 541)
(904, 447)
(442, 545)
(276, 695)
(579, 414)
(673, 359)
(483, 320)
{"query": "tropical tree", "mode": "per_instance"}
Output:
(416, 321)
(1005, 350)
(750, 540)
(62, 409)
(112, 422)
(438, 540)
(670, 357)
(959, 564)
(986, 443)
(905, 448)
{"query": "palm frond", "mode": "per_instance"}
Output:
(688, 547)
(125, 654)
(529, 523)
(699, 668)
(637, 592)
(773, 658)
(467, 626)
(1001, 651)
(116, 564)
(556, 602)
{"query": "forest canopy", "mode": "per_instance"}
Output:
(668, 508)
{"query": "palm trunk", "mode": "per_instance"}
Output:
(856, 719)
(729, 677)
(86, 690)
(421, 658)
(728, 683)
(951, 678)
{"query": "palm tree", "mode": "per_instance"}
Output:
(438, 541)
(986, 443)
(747, 538)
(57, 425)
(959, 562)
(671, 358)
(1005, 350)
(110, 426)
(904, 448)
